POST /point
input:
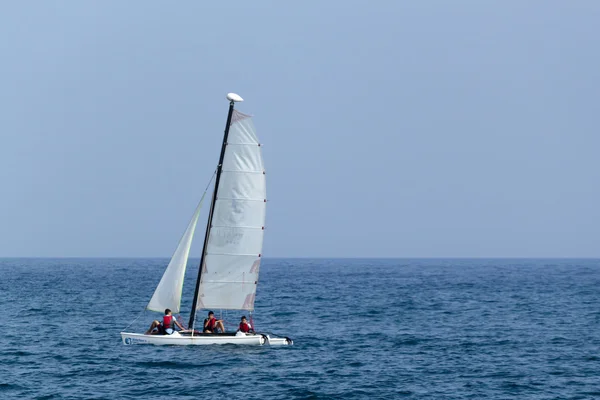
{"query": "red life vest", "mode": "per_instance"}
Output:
(211, 324)
(167, 321)
(244, 327)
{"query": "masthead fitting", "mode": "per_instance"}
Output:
(234, 97)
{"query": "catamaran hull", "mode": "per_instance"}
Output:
(181, 340)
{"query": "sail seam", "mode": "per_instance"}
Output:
(238, 226)
(232, 254)
(243, 172)
(238, 198)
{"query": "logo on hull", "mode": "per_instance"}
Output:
(134, 340)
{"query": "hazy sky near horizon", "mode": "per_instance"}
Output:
(391, 128)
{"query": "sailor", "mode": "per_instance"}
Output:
(166, 327)
(211, 324)
(245, 326)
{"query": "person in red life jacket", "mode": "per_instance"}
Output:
(211, 324)
(245, 326)
(166, 327)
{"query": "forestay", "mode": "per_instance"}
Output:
(231, 264)
(168, 291)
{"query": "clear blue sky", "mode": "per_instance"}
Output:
(391, 128)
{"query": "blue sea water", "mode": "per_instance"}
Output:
(414, 329)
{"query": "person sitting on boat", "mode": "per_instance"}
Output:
(166, 327)
(245, 326)
(211, 324)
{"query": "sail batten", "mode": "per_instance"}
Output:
(239, 198)
(233, 252)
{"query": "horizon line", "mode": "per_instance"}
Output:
(332, 257)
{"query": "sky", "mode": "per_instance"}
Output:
(390, 128)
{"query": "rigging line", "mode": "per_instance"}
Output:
(211, 179)
(205, 190)
(138, 317)
(179, 319)
(144, 310)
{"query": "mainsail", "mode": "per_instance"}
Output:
(232, 259)
(168, 291)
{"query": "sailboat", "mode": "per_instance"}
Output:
(232, 251)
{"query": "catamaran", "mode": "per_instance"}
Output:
(232, 251)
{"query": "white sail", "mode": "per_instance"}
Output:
(168, 291)
(232, 259)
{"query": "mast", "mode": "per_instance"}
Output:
(232, 97)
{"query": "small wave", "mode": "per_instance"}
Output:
(593, 393)
(355, 364)
(412, 341)
(514, 386)
(559, 339)
(18, 353)
(175, 365)
(284, 314)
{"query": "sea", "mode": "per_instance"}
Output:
(362, 329)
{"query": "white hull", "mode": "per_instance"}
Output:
(185, 340)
